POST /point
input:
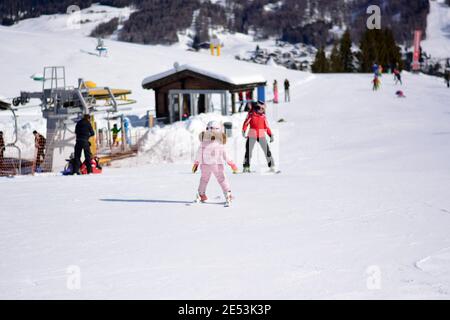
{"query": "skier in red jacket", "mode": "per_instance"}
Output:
(257, 122)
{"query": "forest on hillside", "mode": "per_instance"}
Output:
(308, 21)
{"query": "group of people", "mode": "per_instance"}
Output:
(212, 155)
(378, 73)
(287, 96)
(84, 132)
(245, 104)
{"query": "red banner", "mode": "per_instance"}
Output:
(416, 57)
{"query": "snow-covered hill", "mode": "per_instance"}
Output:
(360, 210)
(78, 23)
(438, 30)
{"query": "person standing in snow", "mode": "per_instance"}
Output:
(375, 69)
(39, 143)
(380, 70)
(2, 147)
(376, 83)
(275, 91)
(259, 127)
(115, 135)
(248, 98)
(397, 76)
(447, 78)
(287, 95)
(210, 158)
(127, 129)
(241, 101)
(84, 132)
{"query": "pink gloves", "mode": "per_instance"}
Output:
(233, 167)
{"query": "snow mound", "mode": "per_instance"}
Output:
(178, 143)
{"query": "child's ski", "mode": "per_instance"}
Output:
(246, 172)
(271, 172)
(199, 201)
(260, 172)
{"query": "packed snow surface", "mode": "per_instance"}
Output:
(360, 209)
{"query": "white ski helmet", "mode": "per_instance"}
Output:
(213, 126)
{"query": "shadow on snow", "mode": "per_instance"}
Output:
(155, 201)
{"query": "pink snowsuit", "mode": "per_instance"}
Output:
(210, 156)
(275, 92)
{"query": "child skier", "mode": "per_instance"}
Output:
(400, 94)
(376, 83)
(375, 69)
(115, 133)
(380, 70)
(210, 157)
(397, 76)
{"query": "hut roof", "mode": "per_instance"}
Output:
(233, 77)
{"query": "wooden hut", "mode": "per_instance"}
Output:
(186, 91)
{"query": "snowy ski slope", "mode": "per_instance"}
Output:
(364, 187)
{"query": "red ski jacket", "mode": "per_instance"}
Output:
(258, 125)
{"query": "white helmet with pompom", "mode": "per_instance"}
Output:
(214, 126)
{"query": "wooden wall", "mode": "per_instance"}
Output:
(188, 83)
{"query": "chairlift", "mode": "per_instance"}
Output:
(5, 106)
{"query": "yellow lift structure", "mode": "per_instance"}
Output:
(106, 94)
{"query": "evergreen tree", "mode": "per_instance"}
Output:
(335, 60)
(378, 46)
(320, 64)
(345, 53)
(366, 54)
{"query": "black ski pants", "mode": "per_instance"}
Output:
(249, 150)
(82, 145)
